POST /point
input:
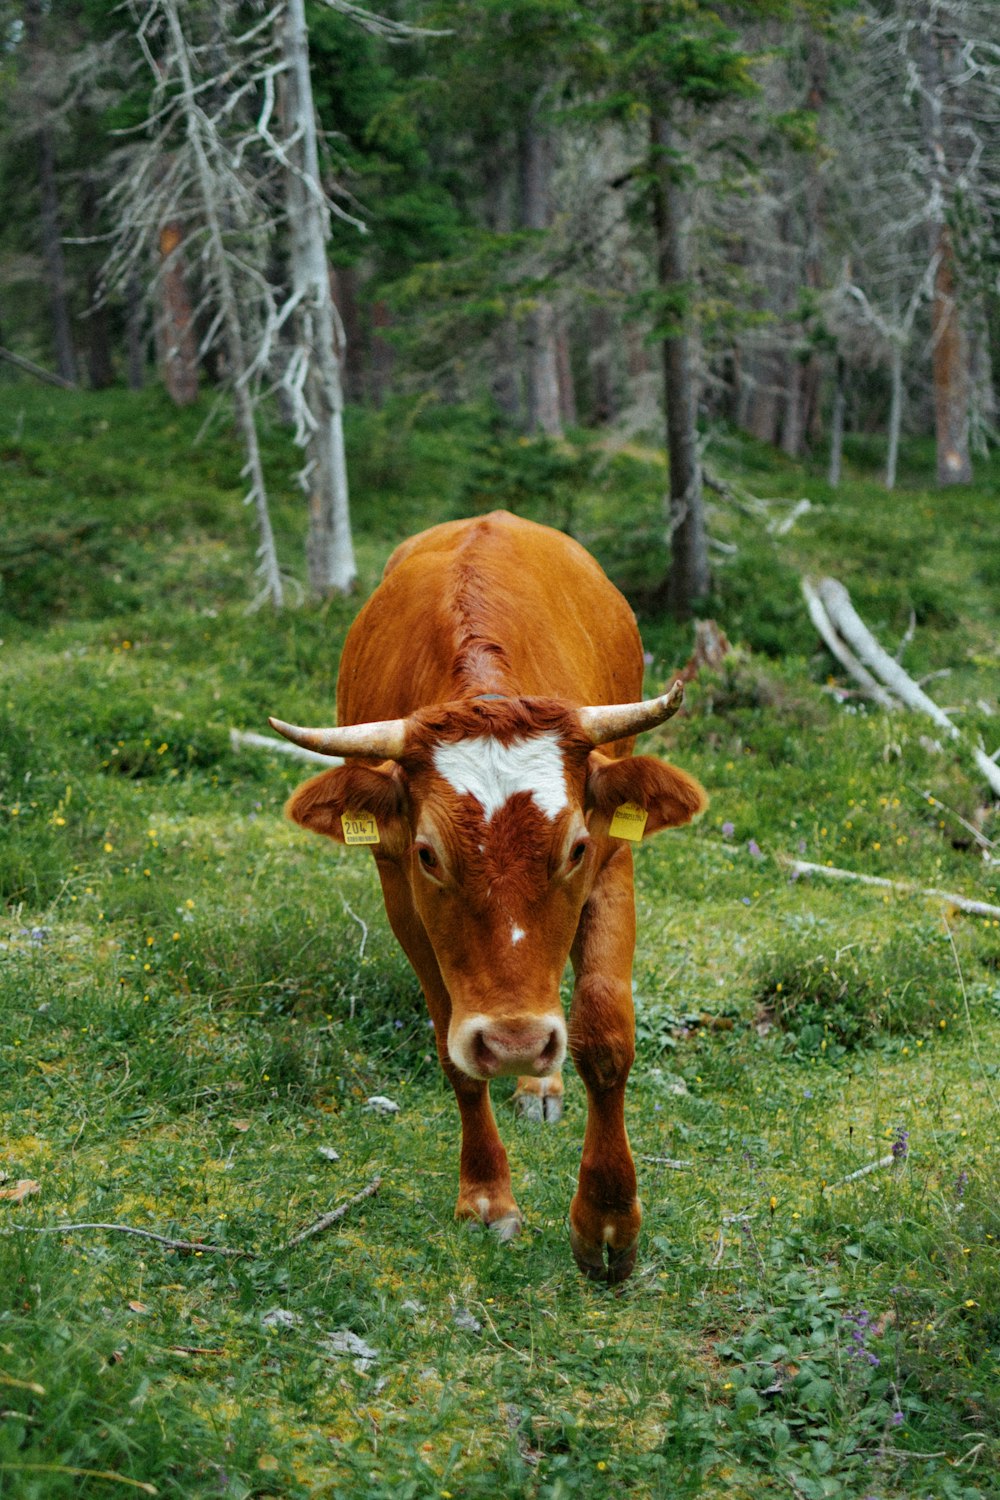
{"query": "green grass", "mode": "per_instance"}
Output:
(187, 1015)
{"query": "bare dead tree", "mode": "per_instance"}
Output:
(188, 171)
(313, 376)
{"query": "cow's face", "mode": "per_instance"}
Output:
(500, 829)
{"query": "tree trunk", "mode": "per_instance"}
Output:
(535, 165)
(100, 365)
(602, 398)
(950, 366)
(229, 308)
(949, 355)
(134, 340)
(178, 353)
(837, 424)
(763, 383)
(895, 414)
(506, 375)
(564, 367)
(688, 579)
(791, 424)
(52, 251)
(320, 412)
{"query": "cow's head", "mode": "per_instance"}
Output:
(498, 814)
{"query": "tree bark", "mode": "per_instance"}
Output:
(949, 354)
(178, 351)
(950, 363)
(535, 169)
(564, 369)
(320, 427)
(837, 424)
(100, 365)
(52, 250)
(134, 340)
(895, 414)
(688, 579)
(602, 398)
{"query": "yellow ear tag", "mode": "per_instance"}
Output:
(628, 822)
(359, 828)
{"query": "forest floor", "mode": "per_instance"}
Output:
(197, 1000)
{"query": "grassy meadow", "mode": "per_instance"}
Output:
(197, 1000)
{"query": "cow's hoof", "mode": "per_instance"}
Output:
(506, 1228)
(542, 1107)
(618, 1266)
(497, 1211)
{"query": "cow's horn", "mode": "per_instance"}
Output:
(620, 721)
(382, 740)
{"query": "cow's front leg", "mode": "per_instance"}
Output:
(605, 1213)
(484, 1187)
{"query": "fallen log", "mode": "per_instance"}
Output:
(838, 649)
(30, 368)
(855, 637)
(799, 867)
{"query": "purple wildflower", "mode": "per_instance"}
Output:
(860, 1325)
(647, 657)
(897, 1419)
(900, 1144)
(960, 1183)
(728, 829)
(746, 900)
(755, 850)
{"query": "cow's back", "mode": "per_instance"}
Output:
(493, 604)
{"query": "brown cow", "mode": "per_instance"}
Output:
(474, 686)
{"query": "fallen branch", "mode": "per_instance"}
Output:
(784, 526)
(837, 648)
(336, 1215)
(797, 867)
(667, 1161)
(30, 368)
(852, 630)
(245, 739)
(197, 1247)
(873, 1166)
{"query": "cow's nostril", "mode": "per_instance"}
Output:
(549, 1054)
(483, 1055)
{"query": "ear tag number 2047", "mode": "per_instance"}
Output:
(628, 822)
(359, 828)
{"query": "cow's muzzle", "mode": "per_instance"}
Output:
(509, 1046)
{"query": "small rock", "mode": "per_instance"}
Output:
(344, 1341)
(280, 1317)
(466, 1321)
(382, 1105)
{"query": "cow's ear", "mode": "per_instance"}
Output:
(668, 795)
(372, 799)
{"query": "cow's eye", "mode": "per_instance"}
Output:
(427, 857)
(577, 852)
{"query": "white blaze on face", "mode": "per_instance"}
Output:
(516, 934)
(493, 773)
